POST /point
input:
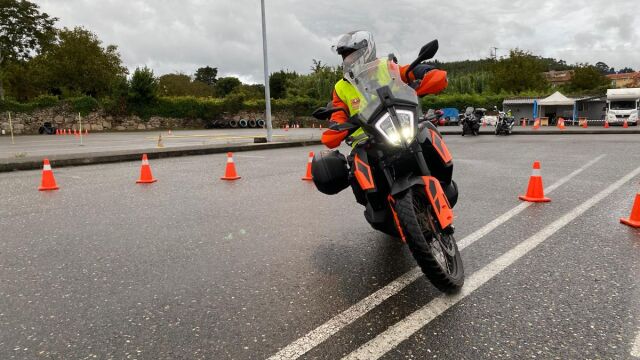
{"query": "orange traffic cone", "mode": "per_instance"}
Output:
(76, 133)
(86, 132)
(584, 124)
(606, 124)
(69, 132)
(320, 127)
(308, 176)
(230, 171)
(48, 181)
(145, 172)
(57, 132)
(634, 219)
(536, 124)
(561, 123)
(524, 123)
(535, 190)
(484, 123)
(286, 127)
(624, 124)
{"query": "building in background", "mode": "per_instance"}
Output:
(557, 78)
(557, 105)
(628, 80)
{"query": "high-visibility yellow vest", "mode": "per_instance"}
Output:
(350, 95)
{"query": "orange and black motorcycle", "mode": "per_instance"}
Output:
(399, 168)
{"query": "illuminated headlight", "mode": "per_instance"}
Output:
(389, 131)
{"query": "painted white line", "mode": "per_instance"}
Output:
(635, 349)
(318, 335)
(402, 330)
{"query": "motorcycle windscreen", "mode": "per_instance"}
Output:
(370, 77)
(439, 201)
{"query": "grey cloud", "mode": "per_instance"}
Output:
(180, 36)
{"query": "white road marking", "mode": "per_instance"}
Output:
(318, 335)
(402, 330)
(635, 349)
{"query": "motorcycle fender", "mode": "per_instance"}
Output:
(439, 201)
(362, 171)
(435, 193)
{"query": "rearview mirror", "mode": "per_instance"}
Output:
(426, 52)
(324, 113)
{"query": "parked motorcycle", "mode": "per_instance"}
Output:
(471, 121)
(435, 117)
(400, 168)
(505, 123)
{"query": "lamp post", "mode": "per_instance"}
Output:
(267, 93)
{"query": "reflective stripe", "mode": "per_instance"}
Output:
(310, 159)
(229, 159)
(145, 162)
(47, 167)
(535, 172)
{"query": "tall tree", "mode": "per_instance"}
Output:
(278, 83)
(78, 64)
(143, 87)
(225, 85)
(588, 78)
(604, 68)
(519, 72)
(24, 31)
(207, 75)
(182, 85)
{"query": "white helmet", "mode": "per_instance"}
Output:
(355, 47)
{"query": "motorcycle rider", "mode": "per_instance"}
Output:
(358, 47)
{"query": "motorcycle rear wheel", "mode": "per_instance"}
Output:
(435, 251)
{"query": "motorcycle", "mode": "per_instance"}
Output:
(434, 117)
(505, 123)
(399, 169)
(471, 121)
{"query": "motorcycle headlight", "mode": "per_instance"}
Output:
(389, 131)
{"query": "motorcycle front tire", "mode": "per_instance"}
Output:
(409, 207)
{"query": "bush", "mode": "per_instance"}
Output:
(83, 104)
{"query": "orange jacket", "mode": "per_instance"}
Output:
(431, 82)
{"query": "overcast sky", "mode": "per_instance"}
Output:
(180, 36)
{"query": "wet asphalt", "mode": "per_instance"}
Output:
(193, 267)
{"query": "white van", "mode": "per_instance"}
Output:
(623, 104)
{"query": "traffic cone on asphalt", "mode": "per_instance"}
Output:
(624, 124)
(535, 190)
(484, 123)
(286, 127)
(230, 171)
(48, 181)
(584, 124)
(145, 172)
(69, 132)
(524, 123)
(634, 219)
(536, 124)
(561, 123)
(308, 176)
(86, 132)
(57, 132)
(76, 133)
(606, 124)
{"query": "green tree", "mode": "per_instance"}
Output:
(143, 87)
(588, 78)
(224, 86)
(182, 85)
(78, 64)
(207, 75)
(278, 83)
(24, 31)
(521, 71)
(250, 92)
(317, 85)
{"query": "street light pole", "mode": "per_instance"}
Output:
(267, 93)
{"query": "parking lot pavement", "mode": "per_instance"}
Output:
(48, 145)
(191, 267)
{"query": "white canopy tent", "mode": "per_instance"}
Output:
(557, 105)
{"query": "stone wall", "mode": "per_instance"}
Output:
(64, 118)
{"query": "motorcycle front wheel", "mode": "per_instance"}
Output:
(435, 251)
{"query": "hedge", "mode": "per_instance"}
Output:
(214, 108)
